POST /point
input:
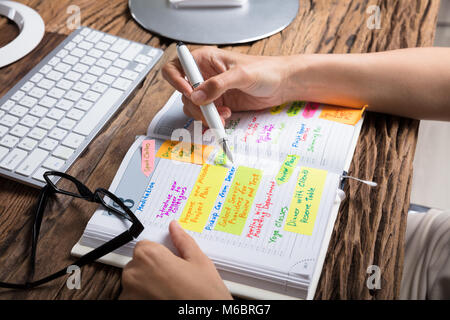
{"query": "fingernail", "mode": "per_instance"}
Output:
(198, 97)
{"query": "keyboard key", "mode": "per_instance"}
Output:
(46, 84)
(56, 93)
(9, 120)
(73, 140)
(38, 111)
(95, 53)
(81, 87)
(81, 68)
(84, 105)
(48, 144)
(143, 59)
(28, 102)
(37, 77)
(3, 152)
(55, 75)
(45, 69)
(88, 60)
(39, 174)
(114, 71)
(85, 31)
(73, 95)
(109, 39)
(98, 111)
(94, 36)
(57, 133)
(18, 95)
(27, 144)
(139, 68)
(47, 102)
(37, 92)
(53, 163)
(153, 52)
(29, 121)
(96, 70)
(106, 79)
(85, 45)
(54, 61)
(131, 75)
(120, 45)
(111, 55)
(8, 105)
(102, 46)
(56, 114)
(121, 63)
(19, 111)
(77, 52)
(3, 130)
(9, 141)
(71, 60)
(64, 84)
(27, 86)
(99, 87)
(13, 159)
(62, 53)
(19, 131)
(64, 104)
(131, 52)
(67, 124)
(122, 84)
(91, 96)
(77, 38)
(75, 114)
(37, 133)
(32, 162)
(63, 152)
(103, 63)
(62, 67)
(46, 123)
(70, 46)
(89, 78)
(73, 76)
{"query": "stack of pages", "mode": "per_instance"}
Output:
(266, 219)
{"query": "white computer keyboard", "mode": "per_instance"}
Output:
(53, 113)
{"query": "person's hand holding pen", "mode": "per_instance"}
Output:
(233, 81)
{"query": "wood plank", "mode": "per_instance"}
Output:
(371, 223)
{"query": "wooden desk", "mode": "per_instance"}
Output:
(371, 225)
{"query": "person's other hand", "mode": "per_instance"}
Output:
(156, 273)
(234, 81)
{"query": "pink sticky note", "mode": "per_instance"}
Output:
(310, 110)
(148, 156)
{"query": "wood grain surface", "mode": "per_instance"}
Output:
(371, 224)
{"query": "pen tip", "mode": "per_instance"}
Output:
(228, 152)
(180, 43)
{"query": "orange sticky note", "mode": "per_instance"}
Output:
(341, 114)
(148, 157)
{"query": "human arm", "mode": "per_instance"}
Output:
(412, 83)
(156, 273)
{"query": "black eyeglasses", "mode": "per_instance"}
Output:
(78, 190)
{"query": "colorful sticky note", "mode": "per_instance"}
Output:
(295, 108)
(148, 157)
(306, 201)
(184, 152)
(239, 200)
(202, 198)
(310, 110)
(287, 168)
(278, 109)
(343, 115)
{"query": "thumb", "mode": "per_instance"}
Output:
(216, 86)
(185, 244)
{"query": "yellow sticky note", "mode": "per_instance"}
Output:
(184, 152)
(278, 109)
(287, 168)
(295, 108)
(239, 200)
(306, 201)
(343, 115)
(202, 198)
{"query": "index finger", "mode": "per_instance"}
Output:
(174, 74)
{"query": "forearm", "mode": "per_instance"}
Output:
(412, 83)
